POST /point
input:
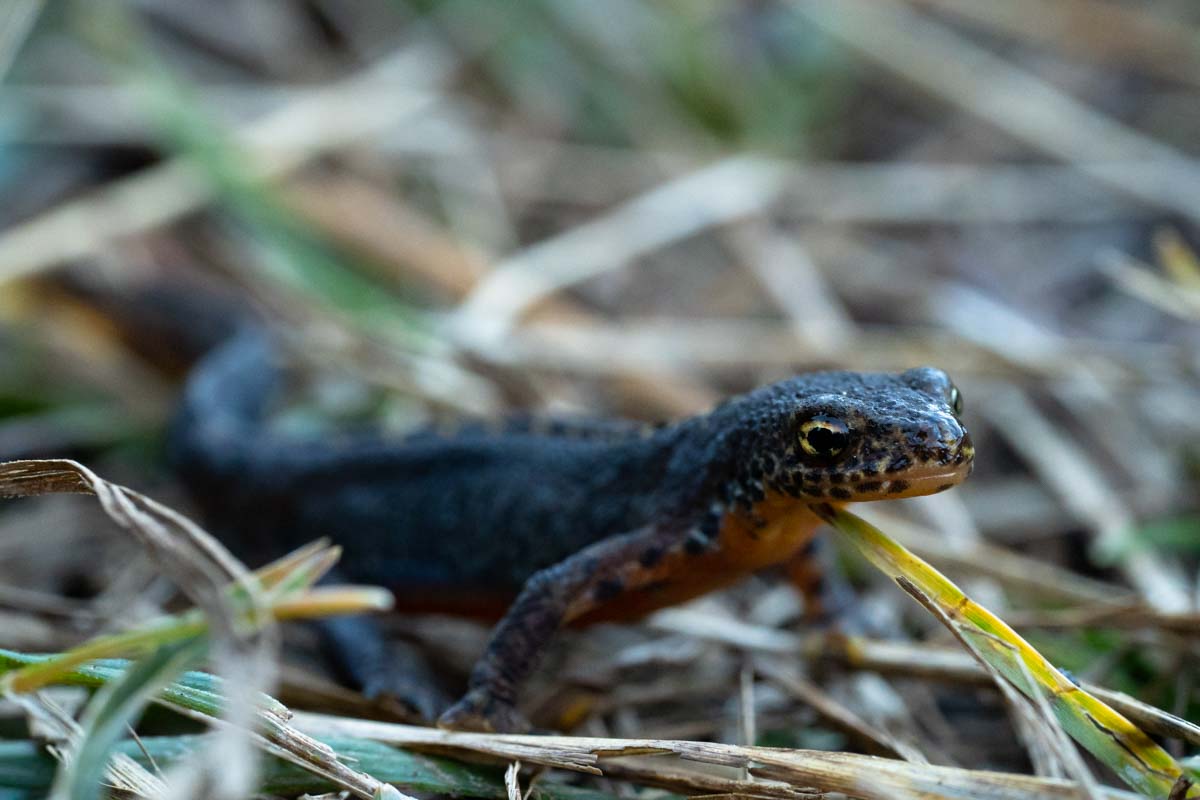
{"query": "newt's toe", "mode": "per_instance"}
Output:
(402, 681)
(413, 700)
(480, 711)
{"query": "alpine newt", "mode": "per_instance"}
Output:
(561, 522)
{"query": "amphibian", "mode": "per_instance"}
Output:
(564, 522)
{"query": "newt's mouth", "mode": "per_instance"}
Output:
(920, 479)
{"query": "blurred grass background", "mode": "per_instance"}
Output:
(639, 208)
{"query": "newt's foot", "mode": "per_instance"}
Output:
(391, 671)
(480, 711)
(412, 695)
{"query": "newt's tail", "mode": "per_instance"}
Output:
(182, 324)
(218, 428)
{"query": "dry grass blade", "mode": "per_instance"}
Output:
(62, 735)
(878, 742)
(720, 193)
(1020, 572)
(164, 531)
(861, 192)
(328, 118)
(196, 562)
(1013, 99)
(286, 582)
(284, 741)
(512, 780)
(1154, 720)
(1113, 32)
(1084, 489)
(1147, 285)
(898, 658)
(719, 346)
(16, 21)
(291, 745)
(921, 661)
(792, 280)
(1130, 616)
(785, 773)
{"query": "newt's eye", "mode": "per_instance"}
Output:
(956, 403)
(824, 437)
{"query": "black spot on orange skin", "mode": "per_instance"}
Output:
(944, 487)
(898, 486)
(651, 556)
(869, 487)
(607, 589)
(695, 544)
(840, 493)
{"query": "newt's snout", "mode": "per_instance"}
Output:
(936, 463)
(944, 440)
(965, 451)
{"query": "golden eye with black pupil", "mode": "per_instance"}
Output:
(824, 437)
(956, 403)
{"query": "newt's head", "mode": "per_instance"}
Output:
(848, 436)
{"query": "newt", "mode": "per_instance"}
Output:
(559, 522)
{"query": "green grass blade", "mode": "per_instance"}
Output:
(53, 668)
(27, 769)
(115, 708)
(194, 690)
(1106, 734)
(288, 597)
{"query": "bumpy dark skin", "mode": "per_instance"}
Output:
(577, 521)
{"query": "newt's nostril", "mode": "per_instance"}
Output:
(966, 448)
(951, 434)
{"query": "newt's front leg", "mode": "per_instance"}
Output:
(549, 600)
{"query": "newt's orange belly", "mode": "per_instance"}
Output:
(776, 530)
(479, 603)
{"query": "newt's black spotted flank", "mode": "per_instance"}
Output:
(562, 523)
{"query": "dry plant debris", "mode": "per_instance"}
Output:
(171, 645)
